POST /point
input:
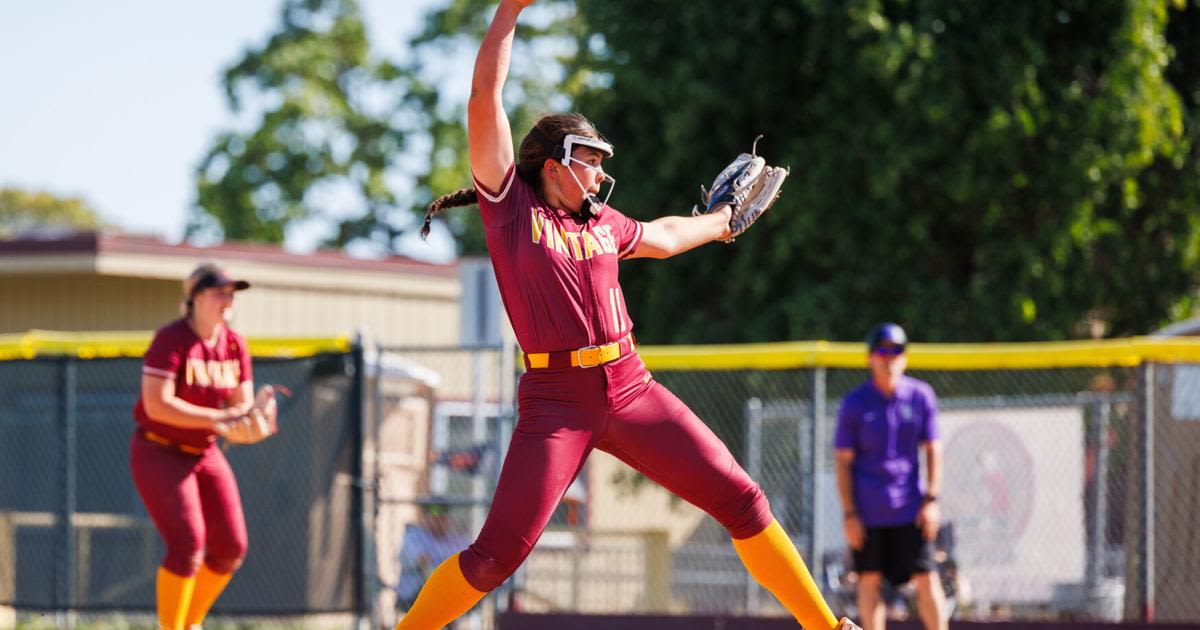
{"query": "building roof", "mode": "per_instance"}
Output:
(1185, 328)
(96, 244)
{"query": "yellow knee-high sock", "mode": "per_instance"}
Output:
(209, 585)
(774, 562)
(445, 597)
(174, 594)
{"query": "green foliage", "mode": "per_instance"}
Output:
(323, 128)
(976, 171)
(546, 72)
(327, 134)
(22, 210)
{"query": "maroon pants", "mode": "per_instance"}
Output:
(194, 502)
(619, 409)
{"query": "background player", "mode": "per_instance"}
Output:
(426, 545)
(555, 249)
(196, 380)
(889, 523)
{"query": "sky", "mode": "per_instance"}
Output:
(116, 102)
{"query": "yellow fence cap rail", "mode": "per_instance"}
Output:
(92, 345)
(755, 356)
(926, 356)
(287, 347)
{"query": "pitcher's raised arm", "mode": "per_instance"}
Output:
(488, 132)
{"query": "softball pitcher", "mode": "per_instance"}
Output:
(196, 384)
(555, 248)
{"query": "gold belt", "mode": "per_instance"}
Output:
(585, 357)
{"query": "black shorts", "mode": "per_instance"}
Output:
(897, 552)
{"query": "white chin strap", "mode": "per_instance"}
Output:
(590, 200)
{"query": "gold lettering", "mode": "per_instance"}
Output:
(203, 375)
(591, 244)
(574, 238)
(582, 245)
(537, 225)
(606, 239)
(560, 242)
(229, 374)
(215, 373)
(219, 374)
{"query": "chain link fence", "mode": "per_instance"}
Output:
(74, 536)
(1051, 476)
(440, 422)
(1069, 493)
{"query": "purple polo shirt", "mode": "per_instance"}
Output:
(886, 435)
(557, 271)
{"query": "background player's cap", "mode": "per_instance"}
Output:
(436, 506)
(886, 333)
(207, 276)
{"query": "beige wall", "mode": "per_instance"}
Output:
(391, 308)
(650, 507)
(85, 302)
(390, 319)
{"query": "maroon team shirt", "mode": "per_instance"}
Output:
(203, 376)
(557, 271)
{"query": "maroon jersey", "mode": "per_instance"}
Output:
(557, 271)
(203, 375)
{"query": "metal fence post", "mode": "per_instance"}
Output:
(1147, 524)
(376, 394)
(576, 570)
(509, 373)
(754, 419)
(479, 431)
(359, 512)
(818, 466)
(1098, 498)
(65, 579)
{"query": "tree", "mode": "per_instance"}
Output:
(24, 210)
(976, 171)
(548, 70)
(330, 128)
(325, 139)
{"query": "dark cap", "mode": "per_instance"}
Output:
(208, 276)
(886, 333)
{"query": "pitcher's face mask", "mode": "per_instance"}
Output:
(591, 204)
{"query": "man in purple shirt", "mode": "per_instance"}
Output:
(890, 522)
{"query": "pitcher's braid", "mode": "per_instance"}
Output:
(461, 197)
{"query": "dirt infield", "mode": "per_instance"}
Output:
(522, 621)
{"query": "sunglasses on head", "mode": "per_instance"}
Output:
(888, 350)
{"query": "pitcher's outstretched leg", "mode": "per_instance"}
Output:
(445, 597)
(772, 559)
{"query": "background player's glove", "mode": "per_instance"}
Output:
(255, 426)
(748, 185)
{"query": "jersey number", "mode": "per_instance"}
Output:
(617, 303)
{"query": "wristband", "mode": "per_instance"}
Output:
(929, 498)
